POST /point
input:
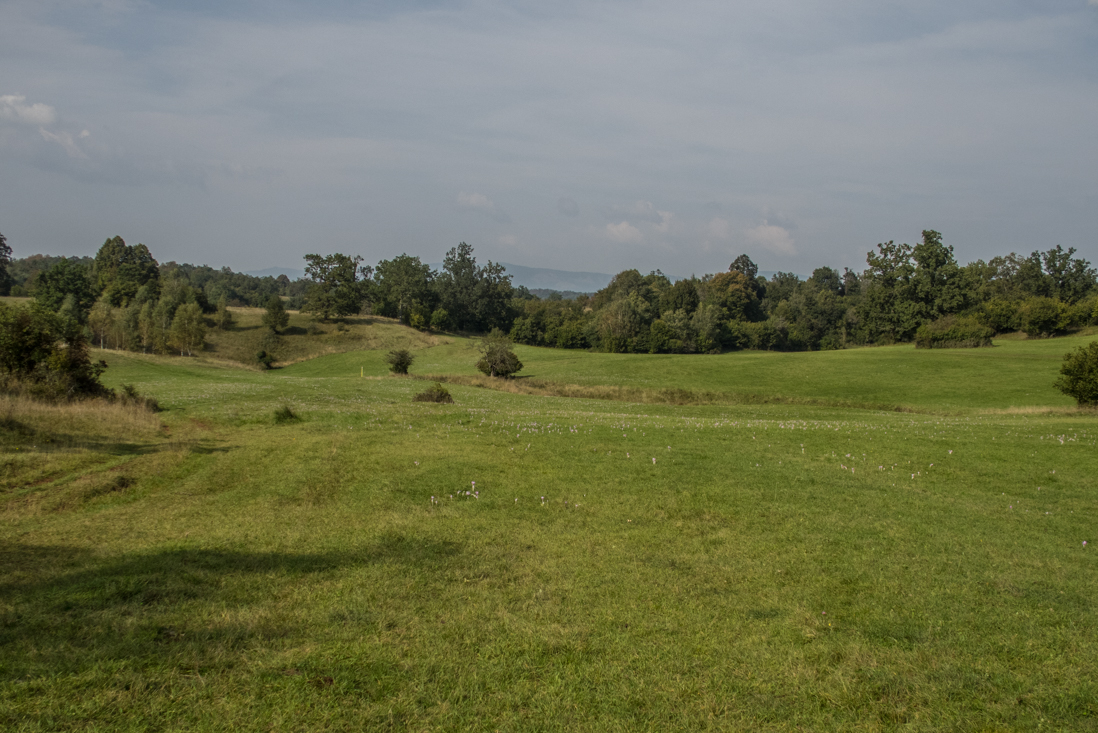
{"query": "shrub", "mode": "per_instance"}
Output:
(1040, 317)
(47, 357)
(1000, 315)
(264, 359)
(276, 316)
(1079, 375)
(130, 396)
(953, 332)
(435, 393)
(497, 359)
(284, 415)
(399, 360)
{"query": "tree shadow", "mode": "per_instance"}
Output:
(70, 608)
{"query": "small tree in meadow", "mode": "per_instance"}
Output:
(276, 316)
(399, 360)
(497, 359)
(224, 318)
(1079, 375)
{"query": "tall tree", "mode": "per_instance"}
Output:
(402, 283)
(888, 309)
(65, 278)
(336, 288)
(120, 270)
(937, 284)
(457, 285)
(188, 329)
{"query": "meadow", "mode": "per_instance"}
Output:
(874, 539)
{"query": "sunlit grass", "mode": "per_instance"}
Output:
(617, 565)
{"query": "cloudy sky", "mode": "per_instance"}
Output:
(594, 135)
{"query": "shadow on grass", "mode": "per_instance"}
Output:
(65, 608)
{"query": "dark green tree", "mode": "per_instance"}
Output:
(66, 277)
(276, 317)
(120, 270)
(888, 310)
(1079, 375)
(339, 286)
(1069, 278)
(937, 284)
(497, 358)
(46, 356)
(399, 360)
(683, 295)
(457, 286)
(400, 283)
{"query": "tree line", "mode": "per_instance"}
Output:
(124, 299)
(903, 289)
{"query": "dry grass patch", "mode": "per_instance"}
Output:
(23, 419)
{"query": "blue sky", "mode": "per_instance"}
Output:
(588, 136)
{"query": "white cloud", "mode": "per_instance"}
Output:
(774, 238)
(475, 201)
(482, 203)
(65, 140)
(14, 109)
(623, 232)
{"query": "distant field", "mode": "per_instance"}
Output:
(616, 566)
(1014, 373)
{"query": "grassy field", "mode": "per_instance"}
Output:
(618, 564)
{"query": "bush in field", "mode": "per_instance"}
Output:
(46, 356)
(399, 360)
(265, 359)
(952, 332)
(1079, 375)
(435, 393)
(284, 415)
(497, 359)
(1040, 317)
(130, 396)
(276, 316)
(1000, 315)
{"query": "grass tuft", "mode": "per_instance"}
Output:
(285, 415)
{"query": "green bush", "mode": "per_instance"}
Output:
(1041, 317)
(399, 360)
(1079, 375)
(46, 356)
(435, 393)
(130, 396)
(265, 359)
(497, 359)
(1000, 315)
(953, 332)
(284, 415)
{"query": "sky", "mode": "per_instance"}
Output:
(589, 136)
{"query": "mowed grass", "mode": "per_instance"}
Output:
(615, 566)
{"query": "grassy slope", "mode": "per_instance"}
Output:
(1012, 374)
(776, 567)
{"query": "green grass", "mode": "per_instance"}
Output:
(1012, 374)
(777, 567)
